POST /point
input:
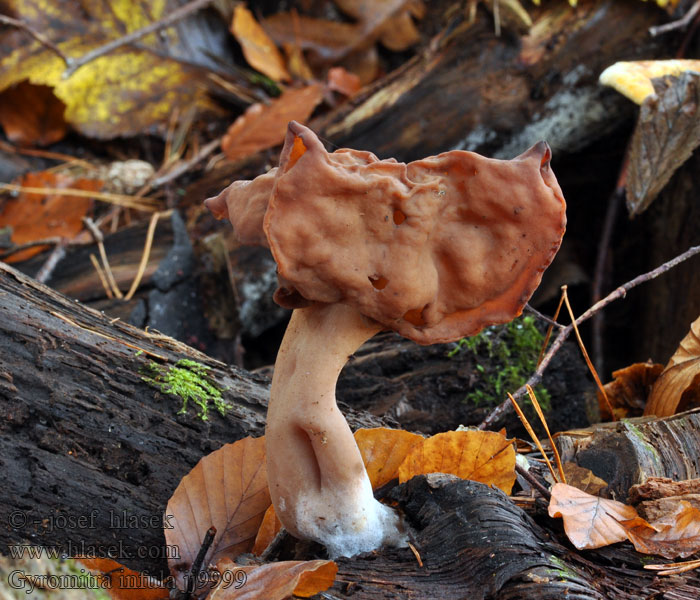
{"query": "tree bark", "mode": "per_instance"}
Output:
(90, 453)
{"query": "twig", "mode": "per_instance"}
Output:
(619, 292)
(183, 166)
(199, 560)
(532, 480)
(48, 267)
(677, 24)
(52, 241)
(146, 253)
(99, 238)
(144, 204)
(39, 37)
(542, 317)
(101, 275)
(174, 16)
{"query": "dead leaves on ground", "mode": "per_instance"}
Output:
(592, 522)
(678, 387)
(41, 216)
(145, 81)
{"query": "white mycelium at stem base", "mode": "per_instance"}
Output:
(317, 479)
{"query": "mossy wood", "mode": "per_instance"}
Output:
(81, 431)
(628, 452)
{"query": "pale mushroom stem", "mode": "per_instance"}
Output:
(317, 479)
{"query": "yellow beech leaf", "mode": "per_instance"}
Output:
(273, 581)
(259, 50)
(633, 79)
(128, 91)
(678, 387)
(484, 456)
(269, 528)
(383, 450)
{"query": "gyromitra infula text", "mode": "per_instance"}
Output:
(435, 249)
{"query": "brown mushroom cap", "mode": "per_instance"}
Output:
(435, 249)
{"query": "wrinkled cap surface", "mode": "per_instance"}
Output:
(435, 249)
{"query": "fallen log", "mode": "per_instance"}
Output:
(90, 452)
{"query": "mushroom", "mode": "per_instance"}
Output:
(435, 250)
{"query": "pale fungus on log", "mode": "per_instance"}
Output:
(435, 250)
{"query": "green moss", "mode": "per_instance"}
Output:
(189, 381)
(506, 356)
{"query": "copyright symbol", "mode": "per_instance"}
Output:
(17, 519)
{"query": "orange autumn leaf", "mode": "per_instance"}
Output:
(589, 521)
(39, 216)
(484, 456)
(269, 528)
(676, 535)
(227, 489)
(263, 126)
(629, 390)
(383, 450)
(343, 81)
(123, 583)
(32, 115)
(678, 387)
(259, 50)
(274, 581)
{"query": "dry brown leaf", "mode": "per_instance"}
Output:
(227, 489)
(667, 132)
(677, 535)
(589, 521)
(264, 126)
(629, 390)
(389, 20)
(274, 581)
(383, 450)
(343, 81)
(678, 387)
(327, 41)
(123, 583)
(259, 50)
(269, 528)
(38, 216)
(483, 456)
(32, 115)
(583, 479)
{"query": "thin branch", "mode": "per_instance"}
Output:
(173, 17)
(52, 241)
(542, 317)
(678, 24)
(99, 238)
(619, 292)
(532, 480)
(39, 37)
(54, 258)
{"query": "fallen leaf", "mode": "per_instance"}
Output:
(227, 489)
(633, 79)
(32, 115)
(383, 450)
(327, 41)
(676, 535)
(269, 528)
(274, 581)
(667, 132)
(123, 583)
(343, 81)
(583, 479)
(483, 456)
(629, 390)
(391, 21)
(678, 387)
(589, 521)
(263, 126)
(259, 50)
(126, 92)
(38, 216)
